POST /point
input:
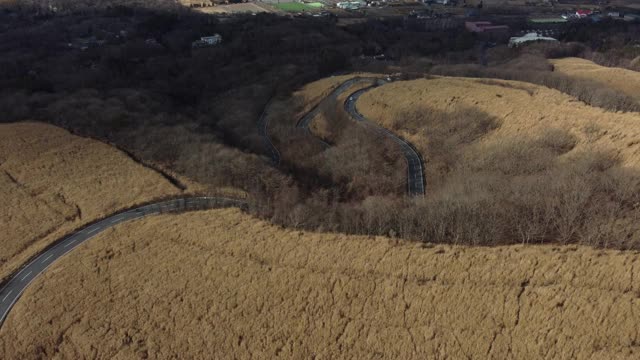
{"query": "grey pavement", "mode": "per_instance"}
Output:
(415, 173)
(263, 129)
(17, 283)
(306, 120)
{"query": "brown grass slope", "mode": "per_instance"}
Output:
(220, 284)
(52, 182)
(522, 109)
(510, 162)
(627, 81)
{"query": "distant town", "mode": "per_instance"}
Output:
(509, 21)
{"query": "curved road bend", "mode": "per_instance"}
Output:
(306, 120)
(415, 173)
(263, 124)
(18, 282)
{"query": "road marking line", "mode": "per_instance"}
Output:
(24, 277)
(21, 270)
(6, 296)
(70, 242)
(94, 230)
(47, 258)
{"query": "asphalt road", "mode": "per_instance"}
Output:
(263, 125)
(415, 173)
(306, 120)
(18, 282)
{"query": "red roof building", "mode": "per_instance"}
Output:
(584, 13)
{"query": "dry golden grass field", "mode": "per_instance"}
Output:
(52, 182)
(508, 161)
(513, 112)
(626, 81)
(221, 284)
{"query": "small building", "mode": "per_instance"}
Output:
(350, 5)
(583, 13)
(487, 31)
(207, 41)
(532, 36)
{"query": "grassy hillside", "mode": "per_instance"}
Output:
(515, 161)
(52, 182)
(626, 81)
(222, 284)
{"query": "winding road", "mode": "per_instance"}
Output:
(415, 172)
(18, 282)
(306, 120)
(263, 129)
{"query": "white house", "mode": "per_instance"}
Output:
(532, 36)
(351, 5)
(207, 41)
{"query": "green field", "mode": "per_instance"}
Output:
(297, 7)
(548, 20)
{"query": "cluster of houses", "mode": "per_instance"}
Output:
(498, 33)
(543, 29)
(598, 16)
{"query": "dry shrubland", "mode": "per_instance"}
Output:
(536, 69)
(53, 182)
(554, 174)
(220, 284)
(358, 163)
(623, 80)
(512, 163)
